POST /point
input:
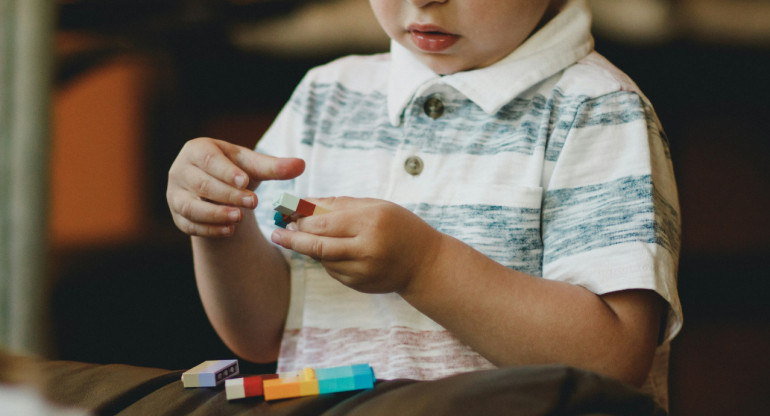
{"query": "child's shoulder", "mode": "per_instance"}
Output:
(594, 75)
(354, 71)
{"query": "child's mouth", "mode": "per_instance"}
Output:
(430, 38)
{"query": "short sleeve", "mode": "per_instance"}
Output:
(610, 216)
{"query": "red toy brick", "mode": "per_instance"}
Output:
(305, 208)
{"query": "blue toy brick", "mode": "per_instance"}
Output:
(363, 376)
(335, 385)
(361, 369)
(344, 378)
(334, 373)
(279, 221)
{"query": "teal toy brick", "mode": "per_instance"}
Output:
(280, 220)
(363, 376)
(345, 378)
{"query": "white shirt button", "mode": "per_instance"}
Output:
(413, 165)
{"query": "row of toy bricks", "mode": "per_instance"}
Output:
(308, 382)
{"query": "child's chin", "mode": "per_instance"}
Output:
(443, 64)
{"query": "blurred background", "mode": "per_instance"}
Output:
(98, 96)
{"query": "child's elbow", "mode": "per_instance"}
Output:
(253, 348)
(634, 375)
(254, 355)
(635, 338)
(632, 364)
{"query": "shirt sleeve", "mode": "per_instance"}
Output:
(610, 214)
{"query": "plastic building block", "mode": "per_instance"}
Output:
(281, 220)
(239, 388)
(286, 203)
(345, 378)
(308, 382)
(305, 208)
(210, 373)
(290, 208)
(308, 385)
(363, 376)
(301, 384)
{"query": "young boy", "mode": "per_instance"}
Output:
(508, 199)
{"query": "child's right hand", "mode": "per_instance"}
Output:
(212, 181)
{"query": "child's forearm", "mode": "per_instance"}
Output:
(514, 318)
(243, 281)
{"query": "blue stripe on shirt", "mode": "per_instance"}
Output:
(577, 220)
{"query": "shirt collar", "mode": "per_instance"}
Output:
(561, 42)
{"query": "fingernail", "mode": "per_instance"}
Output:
(240, 181)
(234, 215)
(292, 226)
(248, 201)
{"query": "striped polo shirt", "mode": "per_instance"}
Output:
(550, 162)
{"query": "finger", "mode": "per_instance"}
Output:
(205, 186)
(196, 210)
(260, 167)
(318, 247)
(331, 224)
(212, 157)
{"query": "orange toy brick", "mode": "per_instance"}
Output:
(304, 383)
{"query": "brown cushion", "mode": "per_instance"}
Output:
(528, 390)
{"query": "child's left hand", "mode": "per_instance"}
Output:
(370, 245)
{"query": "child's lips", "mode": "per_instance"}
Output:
(430, 38)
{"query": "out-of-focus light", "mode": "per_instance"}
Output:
(638, 21)
(726, 21)
(244, 2)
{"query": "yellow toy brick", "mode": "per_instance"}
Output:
(308, 384)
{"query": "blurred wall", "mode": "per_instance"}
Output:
(98, 164)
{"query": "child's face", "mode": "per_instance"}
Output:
(457, 35)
